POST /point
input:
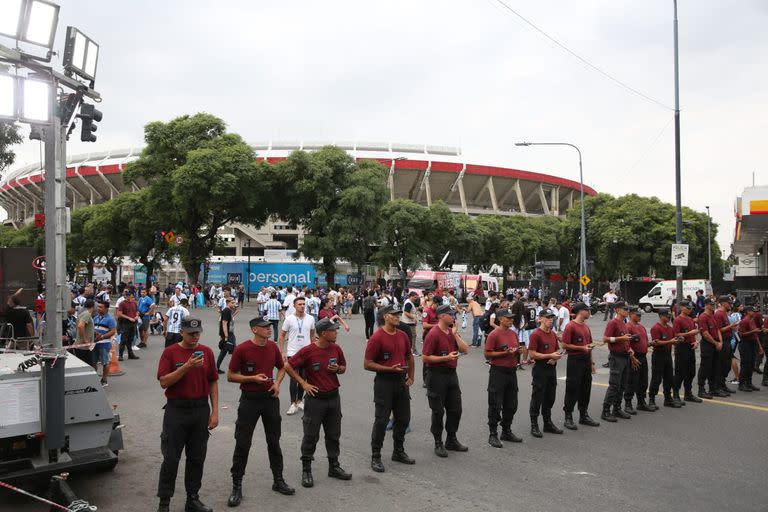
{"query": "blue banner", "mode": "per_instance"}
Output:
(264, 274)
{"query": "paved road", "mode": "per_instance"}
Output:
(706, 457)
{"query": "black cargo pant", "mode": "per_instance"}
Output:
(323, 409)
(370, 322)
(724, 358)
(661, 372)
(502, 397)
(637, 379)
(444, 395)
(544, 385)
(390, 396)
(252, 407)
(185, 428)
(763, 340)
(578, 383)
(294, 389)
(747, 352)
(709, 366)
(171, 338)
(618, 365)
(685, 367)
(127, 335)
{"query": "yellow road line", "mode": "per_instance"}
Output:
(720, 402)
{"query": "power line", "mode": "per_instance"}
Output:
(582, 59)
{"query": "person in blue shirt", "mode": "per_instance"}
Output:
(104, 327)
(144, 305)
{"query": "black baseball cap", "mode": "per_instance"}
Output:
(191, 324)
(686, 304)
(636, 311)
(724, 298)
(326, 324)
(389, 310)
(446, 310)
(504, 313)
(620, 305)
(708, 302)
(547, 313)
(579, 306)
(259, 321)
(664, 312)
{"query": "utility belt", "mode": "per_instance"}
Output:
(255, 395)
(175, 403)
(624, 355)
(327, 395)
(392, 375)
(441, 369)
(503, 369)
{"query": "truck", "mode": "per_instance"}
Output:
(423, 281)
(663, 293)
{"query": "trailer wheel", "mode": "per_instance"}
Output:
(648, 308)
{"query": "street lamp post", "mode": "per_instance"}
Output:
(709, 244)
(583, 244)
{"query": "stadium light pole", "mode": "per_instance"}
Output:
(709, 244)
(583, 248)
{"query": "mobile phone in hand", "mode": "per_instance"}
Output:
(197, 354)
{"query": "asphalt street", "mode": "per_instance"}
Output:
(703, 457)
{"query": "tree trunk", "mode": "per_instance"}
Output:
(329, 266)
(89, 265)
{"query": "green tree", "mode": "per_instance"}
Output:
(106, 232)
(9, 135)
(79, 249)
(442, 226)
(404, 243)
(206, 178)
(336, 202)
(27, 236)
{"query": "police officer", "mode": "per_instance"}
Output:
(187, 372)
(577, 341)
(726, 333)
(748, 331)
(662, 339)
(711, 346)
(617, 338)
(440, 353)
(322, 362)
(252, 366)
(637, 381)
(502, 350)
(544, 350)
(388, 353)
(685, 355)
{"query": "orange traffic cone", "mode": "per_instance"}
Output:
(114, 365)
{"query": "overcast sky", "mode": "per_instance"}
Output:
(454, 72)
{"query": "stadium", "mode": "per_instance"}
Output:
(422, 173)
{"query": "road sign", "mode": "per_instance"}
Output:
(39, 263)
(679, 255)
(548, 265)
(179, 240)
(170, 237)
(585, 280)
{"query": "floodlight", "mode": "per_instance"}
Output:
(36, 102)
(31, 21)
(81, 54)
(7, 96)
(10, 16)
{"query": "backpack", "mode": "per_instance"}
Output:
(485, 322)
(368, 304)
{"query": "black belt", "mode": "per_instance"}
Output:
(255, 395)
(327, 395)
(441, 369)
(620, 354)
(503, 369)
(187, 404)
(392, 375)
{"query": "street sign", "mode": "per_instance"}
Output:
(170, 237)
(679, 255)
(548, 265)
(354, 279)
(585, 280)
(179, 240)
(39, 263)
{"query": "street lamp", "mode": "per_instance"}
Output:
(583, 255)
(709, 244)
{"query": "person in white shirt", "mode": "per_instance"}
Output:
(563, 317)
(288, 301)
(610, 299)
(313, 304)
(297, 332)
(225, 296)
(178, 294)
(172, 321)
(261, 300)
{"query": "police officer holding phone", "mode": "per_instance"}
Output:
(388, 353)
(544, 350)
(252, 366)
(441, 354)
(322, 362)
(577, 341)
(187, 372)
(685, 353)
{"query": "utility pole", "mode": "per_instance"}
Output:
(678, 197)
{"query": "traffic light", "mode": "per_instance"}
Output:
(89, 116)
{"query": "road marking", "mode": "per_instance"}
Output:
(742, 405)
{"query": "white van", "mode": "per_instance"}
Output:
(663, 293)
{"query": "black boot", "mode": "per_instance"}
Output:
(164, 506)
(195, 505)
(689, 397)
(453, 444)
(585, 419)
(569, 424)
(671, 402)
(493, 440)
(376, 463)
(399, 455)
(306, 474)
(676, 398)
(535, 432)
(335, 470)
(236, 496)
(704, 394)
(507, 435)
(628, 408)
(721, 393)
(642, 406)
(619, 413)
(744, 387)
(607, 415)
(550, 427)
(280, 486)
(440, 450)
(652, 404)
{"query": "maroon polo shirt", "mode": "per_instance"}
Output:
(195, 384)
(641, 346)
(439, 343)
(746, 325)
(500, 340)
(251, 359)
(683, 324)
(616, 328)
(708, 324)
(577, 334)
(721, 320)
(663, 333)
(315, 361)
(388, 349)
(543, 342)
